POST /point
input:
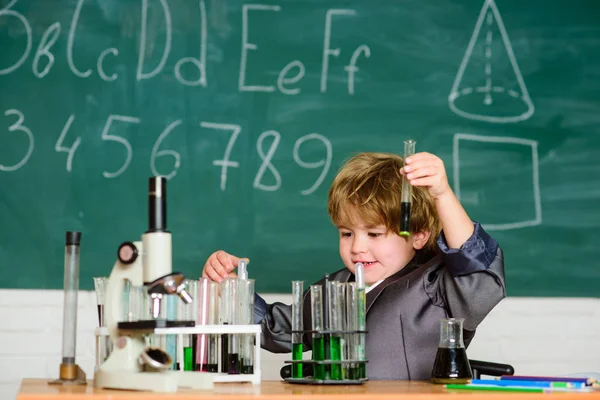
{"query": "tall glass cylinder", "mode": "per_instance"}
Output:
(297, 326)
(71, 288)
(406, 199)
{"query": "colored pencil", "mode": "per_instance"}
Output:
(525, 383)
(497, 388)
(514, 389)
(587, 381)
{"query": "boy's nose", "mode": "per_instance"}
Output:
(358, 246)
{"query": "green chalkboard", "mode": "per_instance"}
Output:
(250, 109)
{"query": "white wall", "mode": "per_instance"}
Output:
(549, 336)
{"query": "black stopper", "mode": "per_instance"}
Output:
(73, 238)
(157, 204)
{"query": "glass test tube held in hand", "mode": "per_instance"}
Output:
(406, 201)
(297, 326)
(318, 340)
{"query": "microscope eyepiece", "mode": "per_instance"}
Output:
(157, 204)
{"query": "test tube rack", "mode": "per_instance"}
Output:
(346, 365)
(217, 377)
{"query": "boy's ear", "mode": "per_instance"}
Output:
(420, 239)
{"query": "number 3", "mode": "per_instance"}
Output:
(17, 126)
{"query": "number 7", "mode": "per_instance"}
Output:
(225, 163)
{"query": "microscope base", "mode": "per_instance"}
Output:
(164, 381)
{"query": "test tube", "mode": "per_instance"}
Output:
(203, 316)
(352, 326)
(68, 368)
(213, 319)
(242, 269)
(406, 200)
(100, 284)
(318, 348)
(247, 318)
(189, 312)
(335, 327)
(230, 300)
(361, 306)
(171, 340)
(297, 326)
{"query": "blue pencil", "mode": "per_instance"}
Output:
(587, 381)
(527, 383)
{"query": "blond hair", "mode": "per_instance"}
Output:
(369, 186)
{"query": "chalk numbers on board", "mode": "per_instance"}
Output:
(267, 178)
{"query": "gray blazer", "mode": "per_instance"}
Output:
(404, 311)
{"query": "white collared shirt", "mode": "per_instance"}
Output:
(369, 288)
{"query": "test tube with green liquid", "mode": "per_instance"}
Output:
(297, 327)
(406, 198)
(189, 312)
(318, 340)
(351, 326)
(362, 318)
(335, 327)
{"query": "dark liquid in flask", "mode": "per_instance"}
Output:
(451, 366)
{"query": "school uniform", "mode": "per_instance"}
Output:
(404, 310)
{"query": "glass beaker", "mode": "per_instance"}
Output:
(451, 363)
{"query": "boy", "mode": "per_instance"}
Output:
(448, 267)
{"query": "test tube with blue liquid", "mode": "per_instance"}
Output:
(297, 326)
(406, 199)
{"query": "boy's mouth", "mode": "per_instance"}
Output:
(366, 263)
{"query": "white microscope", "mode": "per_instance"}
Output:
(131, 364)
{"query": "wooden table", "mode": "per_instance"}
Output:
(38, 389)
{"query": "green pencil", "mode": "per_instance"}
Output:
(496, 388)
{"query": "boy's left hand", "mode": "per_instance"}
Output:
(426, 169)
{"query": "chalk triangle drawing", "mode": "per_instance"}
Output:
(489, 85)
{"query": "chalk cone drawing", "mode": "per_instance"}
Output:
(487, 88)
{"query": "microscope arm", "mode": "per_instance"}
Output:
(114, 291)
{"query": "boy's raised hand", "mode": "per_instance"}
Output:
(221, 265)
(426, 169)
